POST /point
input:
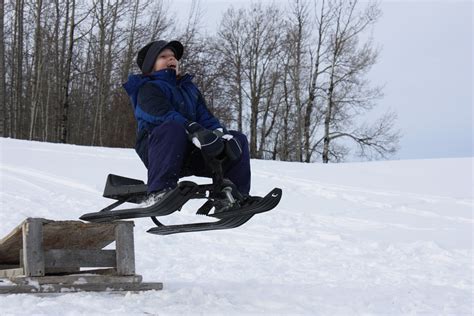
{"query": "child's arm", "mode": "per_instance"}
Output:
(154, 107)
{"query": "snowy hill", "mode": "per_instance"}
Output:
(358, 238)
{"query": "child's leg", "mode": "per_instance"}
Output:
(239, 171)
(167, 146)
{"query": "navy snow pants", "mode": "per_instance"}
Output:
(171, 156)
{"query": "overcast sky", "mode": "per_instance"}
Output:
(426, 65)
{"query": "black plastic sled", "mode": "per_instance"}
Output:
(222, 202)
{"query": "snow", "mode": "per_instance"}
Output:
(373, 238)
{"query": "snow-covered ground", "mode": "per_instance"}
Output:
(377, 238)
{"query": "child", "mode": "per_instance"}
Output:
(175, 128)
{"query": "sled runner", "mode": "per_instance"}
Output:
(222, 202)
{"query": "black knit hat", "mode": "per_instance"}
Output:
(147, 55)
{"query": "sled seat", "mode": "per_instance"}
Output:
(123, 188)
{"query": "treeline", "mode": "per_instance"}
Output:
(294, 80)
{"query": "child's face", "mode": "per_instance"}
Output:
(165, 60)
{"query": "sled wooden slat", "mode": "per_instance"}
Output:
(33, 254)
(60, 258)
(87, 287)
(125, 250)
(44, 256)
(16, 272)
(11, 245)
(60, 235)
(11, 273)
(77, 283)
(77, 279)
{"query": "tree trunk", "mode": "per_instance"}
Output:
(285, 151)
(240, 104)
(327, 123)
(131, 42)
(36, 82)
(61, 75)
(67, 78)
(3, 98)
(253, 128)
(100, 65)
(17, 75)
(328, 114)
(298, 38)
(309, 125)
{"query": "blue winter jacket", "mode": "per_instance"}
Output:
(161, 97)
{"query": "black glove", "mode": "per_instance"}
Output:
(220, 131)
(204, 139)
(232, 147)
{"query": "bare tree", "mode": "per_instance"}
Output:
(284, 135)
(128, 58)
(312, 118)
(107, 16)
(348, 92)
(67, 75)
(261, 54)
(3, 91)
(17, 69)
(192, 60)
(270, 112)
(297, 38)
(160, 22)
(301, 81)
(38, 65)
(230, 45)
